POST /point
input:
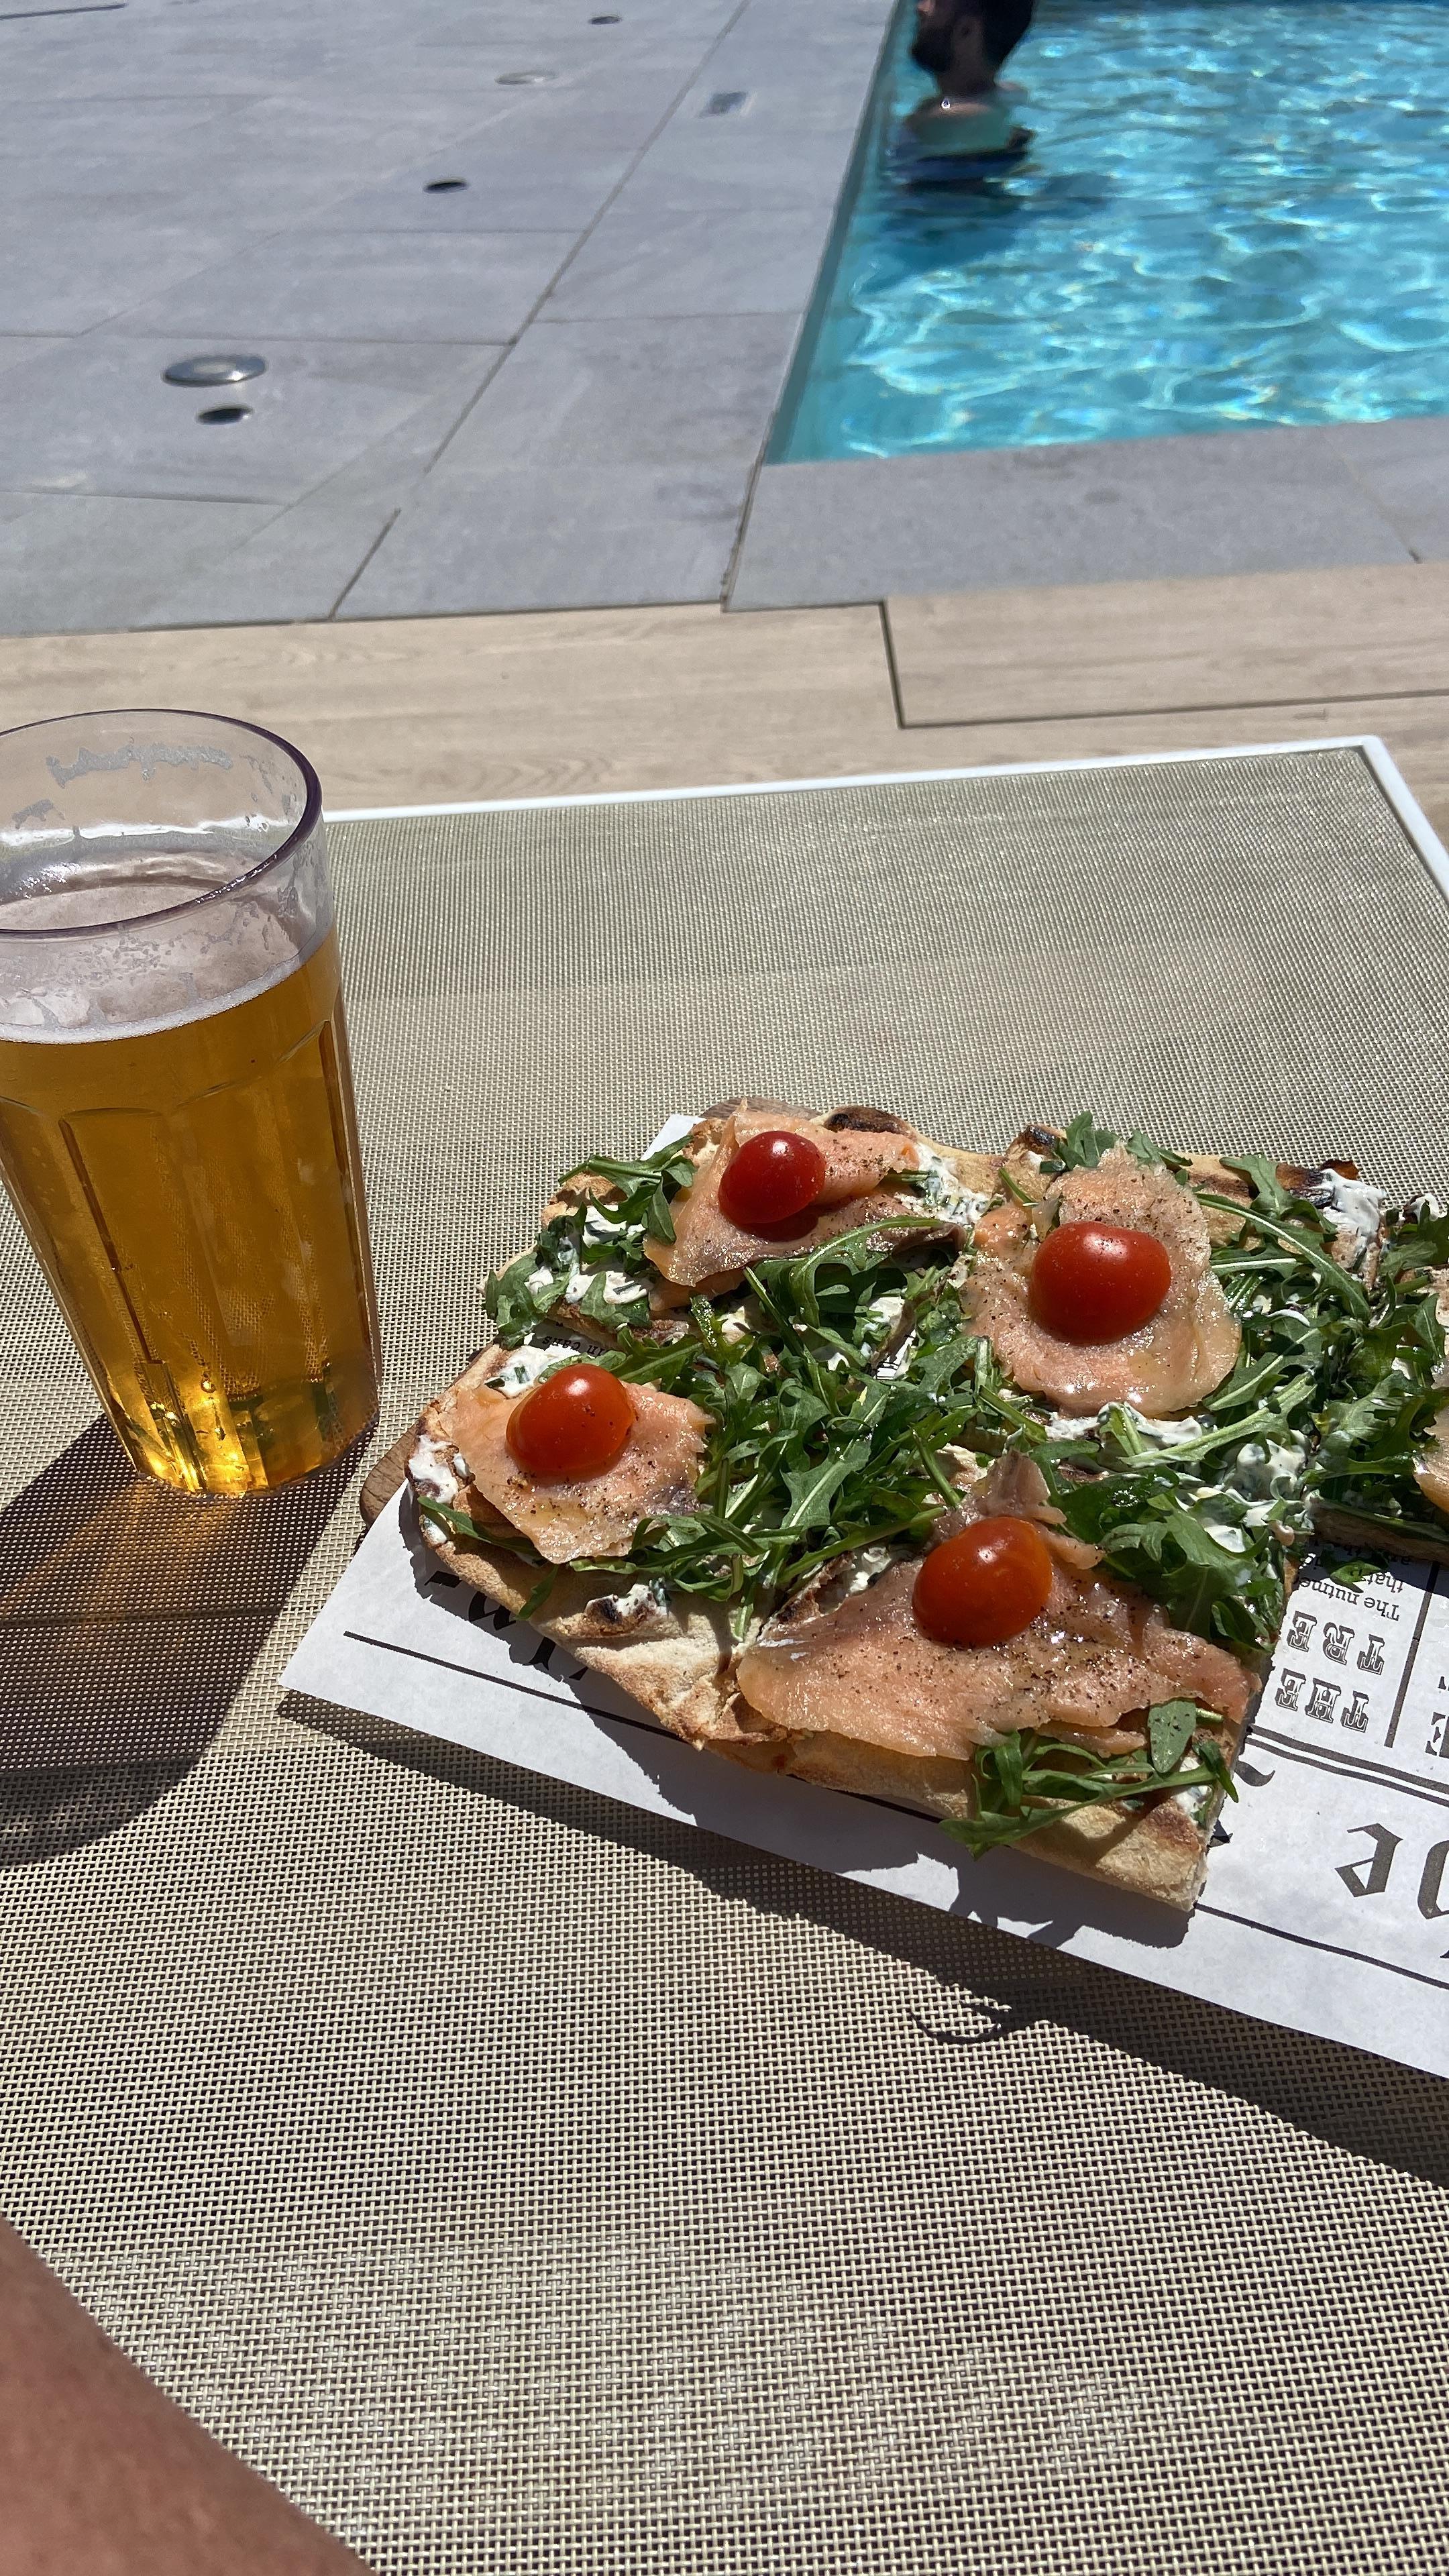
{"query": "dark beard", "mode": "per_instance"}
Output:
(932, 50)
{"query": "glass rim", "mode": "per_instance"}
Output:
(310, 817)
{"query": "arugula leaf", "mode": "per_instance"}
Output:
(1032, 1780)
(538, 1597)
(1083, 1145)
(584, 1252)
(1418, 1241)
(669, 1168)
(1351, 1572)
(460, 1525)
(603, 1305)
(512, 1300)
(812, 1488)
(1269, 1192)
(1150, 1532)
(1170, 1730)
(1296, 1239)
(1143, 1150)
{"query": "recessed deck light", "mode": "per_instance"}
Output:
(221, 415)
(725, 102)
(213, 371)
(440, 187)
(522, 80)
(608, 20)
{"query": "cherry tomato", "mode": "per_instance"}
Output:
(986, 1585)
(1095, 1283)
(773, 1179)
(575, 1423)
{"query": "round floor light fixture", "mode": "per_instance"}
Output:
(213, 370)
(440, 187)
(221, 415)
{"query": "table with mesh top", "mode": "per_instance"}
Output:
(526, 2183)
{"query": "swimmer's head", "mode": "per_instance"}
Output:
(965, 42)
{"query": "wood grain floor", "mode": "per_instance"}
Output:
(413, 711)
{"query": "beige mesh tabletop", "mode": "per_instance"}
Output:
(528, 2184)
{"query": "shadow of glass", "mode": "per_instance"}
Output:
(129, 1618)
(1000, 1987)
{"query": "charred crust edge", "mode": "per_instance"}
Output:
(868, 1122)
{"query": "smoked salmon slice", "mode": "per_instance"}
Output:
(709, 1253)
(589, 1516)
(1099, 1654)
(1165, 1367)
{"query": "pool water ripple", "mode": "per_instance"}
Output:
(1234, 211)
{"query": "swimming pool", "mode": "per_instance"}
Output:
(1234, 212)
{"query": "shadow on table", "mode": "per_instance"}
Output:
(997, 1986)
(129, 1618)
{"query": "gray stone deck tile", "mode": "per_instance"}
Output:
(70, 563)
(684, 393)
(724, 165)
(21, 349)
(618, 105)
(569, 537)
(363, 286)
(1142, 509)
(96, 416)
(787, 75)
(1403, 466)
(72, 271)
(299, 563)
(81, 141)
(85, 142)
(509, 187)
(702, 262)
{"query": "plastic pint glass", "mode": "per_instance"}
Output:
(176, 1119)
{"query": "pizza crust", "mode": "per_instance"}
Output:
(1159, 1852)
(673, 1659)
(1346, 1529)
(678, 1665)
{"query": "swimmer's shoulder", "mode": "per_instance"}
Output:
(954, 124)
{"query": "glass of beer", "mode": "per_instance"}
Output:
(177, 1127)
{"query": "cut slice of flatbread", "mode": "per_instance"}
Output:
(1171, 1364)
(1334, 1186)
(878, 1166)
(676, 1657)
(961, 1184)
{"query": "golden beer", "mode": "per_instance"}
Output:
(192, 1183)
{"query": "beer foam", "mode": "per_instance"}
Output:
(50, 1028)
(164, 969)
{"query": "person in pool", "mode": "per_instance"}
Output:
(963, 45)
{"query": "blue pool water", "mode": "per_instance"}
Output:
(1234, 211)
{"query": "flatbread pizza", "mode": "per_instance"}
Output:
(970, 1481)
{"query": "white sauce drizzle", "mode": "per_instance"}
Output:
(525, 1367)
(431, 1468)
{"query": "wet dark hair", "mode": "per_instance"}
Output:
(1003, 24)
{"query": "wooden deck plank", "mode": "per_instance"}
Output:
(1120, 648)
(402, 712)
